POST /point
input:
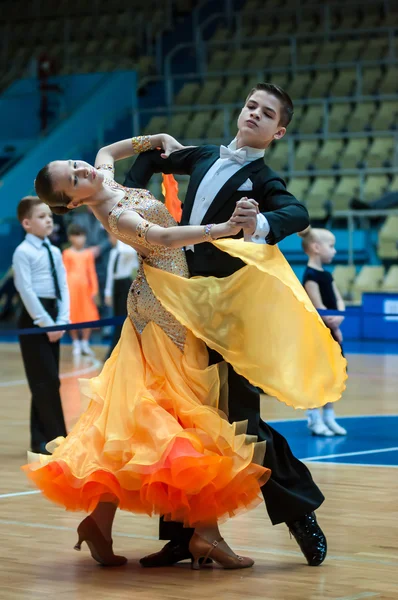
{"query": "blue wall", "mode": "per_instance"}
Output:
(20, 103)
(113, 96)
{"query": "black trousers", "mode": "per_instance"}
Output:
(41, 361)
(121, 288)
(290, 493)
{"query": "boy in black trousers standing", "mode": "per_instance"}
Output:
(40, 279)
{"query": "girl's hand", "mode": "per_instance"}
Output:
(227, 229)
(338, 335)
(169, 145)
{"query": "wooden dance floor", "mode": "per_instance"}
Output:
(359, 516)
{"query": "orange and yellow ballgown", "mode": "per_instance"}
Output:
(154, 434)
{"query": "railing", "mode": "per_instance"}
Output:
(201, 49)
(228, 109)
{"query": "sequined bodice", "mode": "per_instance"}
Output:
(142, 305)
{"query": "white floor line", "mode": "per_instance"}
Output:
(96, 364)
(304, 420)
(15, 494)
(250, 549)
(360, 596)
(377, 451)
(351, 464)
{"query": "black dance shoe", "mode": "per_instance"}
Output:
(170, 554)
(310, 538)
(40, 448)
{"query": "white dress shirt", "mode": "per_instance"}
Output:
(128, 261)
(33, 280)
(216, 177)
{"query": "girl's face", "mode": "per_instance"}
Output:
(77, 179)
(77, 241)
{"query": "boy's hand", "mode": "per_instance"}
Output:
(245, 215)
(54, 336)
(108, 301)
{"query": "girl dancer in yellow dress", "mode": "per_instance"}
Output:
(153, 438)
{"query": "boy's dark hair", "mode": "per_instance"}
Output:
(26, 206)
(287, 108)
(76, 229)
(57, 201)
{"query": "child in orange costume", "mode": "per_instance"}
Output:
(83, 286)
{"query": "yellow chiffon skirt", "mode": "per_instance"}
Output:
(153, 435)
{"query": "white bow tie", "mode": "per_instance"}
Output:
(239, 156)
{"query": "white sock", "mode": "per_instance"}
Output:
(328, 413)
(313, 415)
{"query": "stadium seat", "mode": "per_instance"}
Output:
(339, 115)
(312, 121)
(218, 60)
(345, 83)
(386, 116)
(306, 53)
(240, 59)
(321, 190)
(346, 189)
(215, 128)
(354, 153)
(328, 156)
(282, 57)
(262, 58)
(375, 186)
(361, 117)
(305, 154)
(177, 124)
(299, 85)
(197, 124)
(232, 90)
(327, 53)
(279, 156)
(156, 123)
(208, 92)
(371, 78)
(369, 279)
(344, 276)
(375, 49)
(321, 84)
(390, 283)
(381, 153)
(299, 187)
(350, 50)
(389, 82)
(187, 93)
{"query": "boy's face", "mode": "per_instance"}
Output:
(258, 122)
(40, 223)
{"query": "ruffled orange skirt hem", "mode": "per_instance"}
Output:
(189, 487)
(153, 438)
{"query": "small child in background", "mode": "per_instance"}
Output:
(83, 287)
(319, 245)
(40, 279)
